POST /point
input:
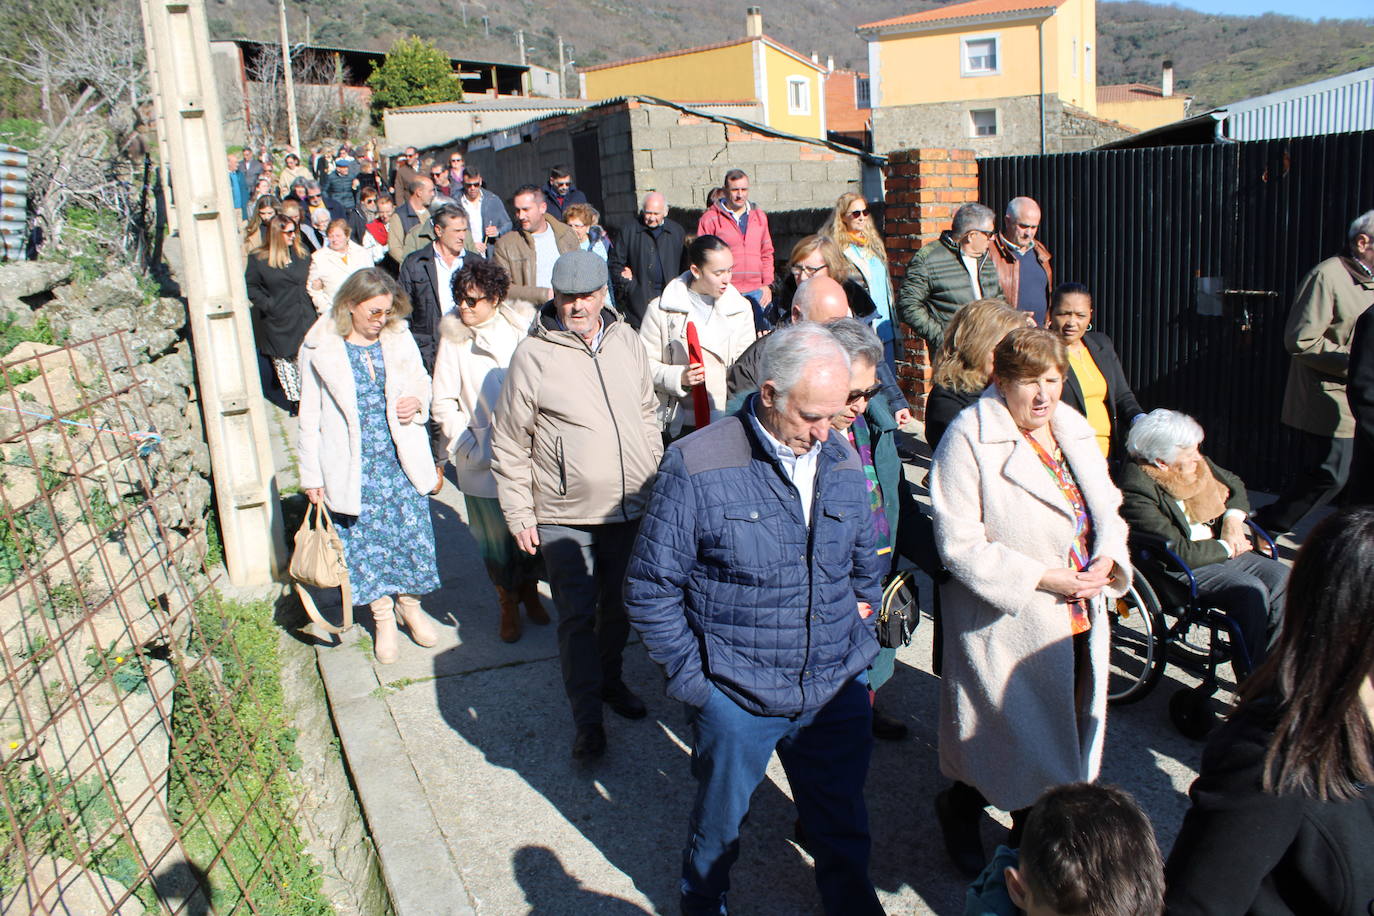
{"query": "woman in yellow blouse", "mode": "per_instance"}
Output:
(1096, 385)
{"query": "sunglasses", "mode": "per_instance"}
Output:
(866, 394)
(289, 230)
(374, 314)
(472, 184)
(314, 196)
(855, 214)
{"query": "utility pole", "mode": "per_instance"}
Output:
(290, 83)
(486, 26)
(191, 134)
(520, 43)
(463, 5)
(562, 70)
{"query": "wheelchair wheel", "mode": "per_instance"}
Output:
(1137, 644)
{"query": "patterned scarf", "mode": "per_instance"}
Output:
(862, 439)
(1080, 551)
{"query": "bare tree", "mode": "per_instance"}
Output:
(322, 95)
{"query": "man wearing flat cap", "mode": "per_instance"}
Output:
(575, 446)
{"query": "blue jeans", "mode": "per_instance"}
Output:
(826, 757)
(755, 298)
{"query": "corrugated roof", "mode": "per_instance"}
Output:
(972, 9)
(662, 55)
(370, 53)
(1132, 92)
(502, 104)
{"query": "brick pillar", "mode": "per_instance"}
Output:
(924, 188)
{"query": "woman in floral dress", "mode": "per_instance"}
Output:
(364, 450)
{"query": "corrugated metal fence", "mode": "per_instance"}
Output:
(14, 191)
(1151, 231)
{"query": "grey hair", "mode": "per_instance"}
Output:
(858, 340)
(447, 214)
(973, 216)
(310, 186)
(644, 204)
(1017, 204)
(1161, 434)
(788, 352)
(1362, 225)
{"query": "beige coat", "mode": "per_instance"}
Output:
(515, 252)
(468, 371)
(288, 178)
(575, 440)
(330, 447)
(1330, 300)
(725, 335)
(1009, 723)
(334, 268)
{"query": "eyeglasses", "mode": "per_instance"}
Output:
(472, 184)
(801, 271)
(562, 185)
(866, 394)
(374, 314)
(855, 214)
(456, 160)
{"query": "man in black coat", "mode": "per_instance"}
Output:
(648, 253)
(427, 278)
(1359, 393)
(560, 194)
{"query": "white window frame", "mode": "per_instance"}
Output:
(863, 92)
(966, 40)
(792, 107)
(973, 123)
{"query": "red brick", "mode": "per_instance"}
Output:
(964, 181)
(964, 154)
(931, 153)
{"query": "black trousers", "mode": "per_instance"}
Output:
(1325, 469)
(1250, 590)
(586, 570)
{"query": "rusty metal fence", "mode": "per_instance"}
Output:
(143, 767)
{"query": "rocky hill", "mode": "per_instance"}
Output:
(1217, 58)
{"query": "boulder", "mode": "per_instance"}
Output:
(31, 278)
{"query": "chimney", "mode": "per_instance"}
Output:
(1166, 88)
(830, 63)
(753, 22)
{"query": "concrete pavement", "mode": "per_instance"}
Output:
(460, 754)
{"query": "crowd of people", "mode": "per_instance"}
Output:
(685, 445)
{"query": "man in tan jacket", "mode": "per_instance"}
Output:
(530, 252)
(575, 446)
(1330, 300)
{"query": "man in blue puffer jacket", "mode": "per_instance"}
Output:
(750, 583)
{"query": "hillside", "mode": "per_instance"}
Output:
(1217, 58)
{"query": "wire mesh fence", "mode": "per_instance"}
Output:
(145, 761)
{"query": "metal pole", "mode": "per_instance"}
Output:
(562, 70)
(290, 83)
(191, 134)
(520, 43)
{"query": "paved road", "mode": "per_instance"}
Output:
(460, 755)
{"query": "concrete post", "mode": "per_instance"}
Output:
(192, 144)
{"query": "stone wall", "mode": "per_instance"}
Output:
(947, 125)
(646, 147)
(924, 188)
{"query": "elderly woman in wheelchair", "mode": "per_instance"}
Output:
(1189, 518)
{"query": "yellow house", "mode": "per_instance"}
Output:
(1143, 106)
(787, 88)
(983, 50)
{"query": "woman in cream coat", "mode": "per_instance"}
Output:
(476, 343)
(724, 321)
(330, 266)
(364, 451)
(1027, 522)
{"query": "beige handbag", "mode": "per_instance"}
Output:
(318, 561)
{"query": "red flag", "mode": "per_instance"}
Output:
(701, 402)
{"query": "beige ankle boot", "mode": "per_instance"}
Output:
(384, 638)
(416, 620)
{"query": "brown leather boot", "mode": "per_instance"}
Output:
(384, 636)
(529, 596)
(510, 614)
(416, 620)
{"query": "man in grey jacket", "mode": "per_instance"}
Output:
(575, 446)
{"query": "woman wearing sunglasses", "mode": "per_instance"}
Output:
(282, 312)
(853, 229)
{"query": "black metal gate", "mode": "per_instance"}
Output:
(1193, 254)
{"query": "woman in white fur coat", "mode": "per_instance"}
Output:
(476, 343)
(725, 327)
(330, 266)
(1027, 522)
(364, 451)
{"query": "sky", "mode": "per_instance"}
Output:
(1305, 9)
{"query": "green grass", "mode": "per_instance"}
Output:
(21, 132)
(233, 750)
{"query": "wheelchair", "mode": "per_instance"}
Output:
(1161, 616)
